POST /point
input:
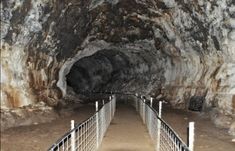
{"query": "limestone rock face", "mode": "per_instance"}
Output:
(170, 48)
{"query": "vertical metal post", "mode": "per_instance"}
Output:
(136, 101)
(96, 106)
(72, 136)
(191, 136)
(150, 117)
(110, 109)
(159, 126)
(97, 123)
(160, 109)
(144, 111)
(147, 117)
(141, 104)
(103, 102)
(151, 102)
(111, 100)
(114, 99)
(114, 104)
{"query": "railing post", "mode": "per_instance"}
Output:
(150, 117)
(151, 102)
(141, 108)
(110, 109)
(136, 101)
(159, 126)
(96, 106)
(144, 111)
(97, 123)
(72, 136)
(160, 109)
(113, 107)
(191, 136)
(115, 102)
(136, 94)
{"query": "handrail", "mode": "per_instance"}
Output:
(163, 122)
(169, 127)
(69, 132)
(90, 132)
(165, 129)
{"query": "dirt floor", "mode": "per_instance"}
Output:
(208, 137)
(126, 132)
(40, 137)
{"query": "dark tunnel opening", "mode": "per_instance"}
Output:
(93, 73)
(114, 71)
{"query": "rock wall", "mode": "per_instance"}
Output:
(191, 44)
(201, 40)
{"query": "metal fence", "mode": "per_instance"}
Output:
(163, 136)
(88, 135)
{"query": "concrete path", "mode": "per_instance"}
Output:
(126, 132)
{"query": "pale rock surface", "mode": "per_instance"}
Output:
(186, 48)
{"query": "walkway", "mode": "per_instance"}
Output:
(126, 132)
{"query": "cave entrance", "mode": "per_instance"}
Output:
(112, 70)
(98, 72)
(105, 70)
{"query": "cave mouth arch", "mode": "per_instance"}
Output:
(113, 70)
(95, 72)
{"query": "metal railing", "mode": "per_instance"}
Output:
(88, 135)
(163, 136)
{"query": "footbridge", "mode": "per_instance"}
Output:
(133, 125)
